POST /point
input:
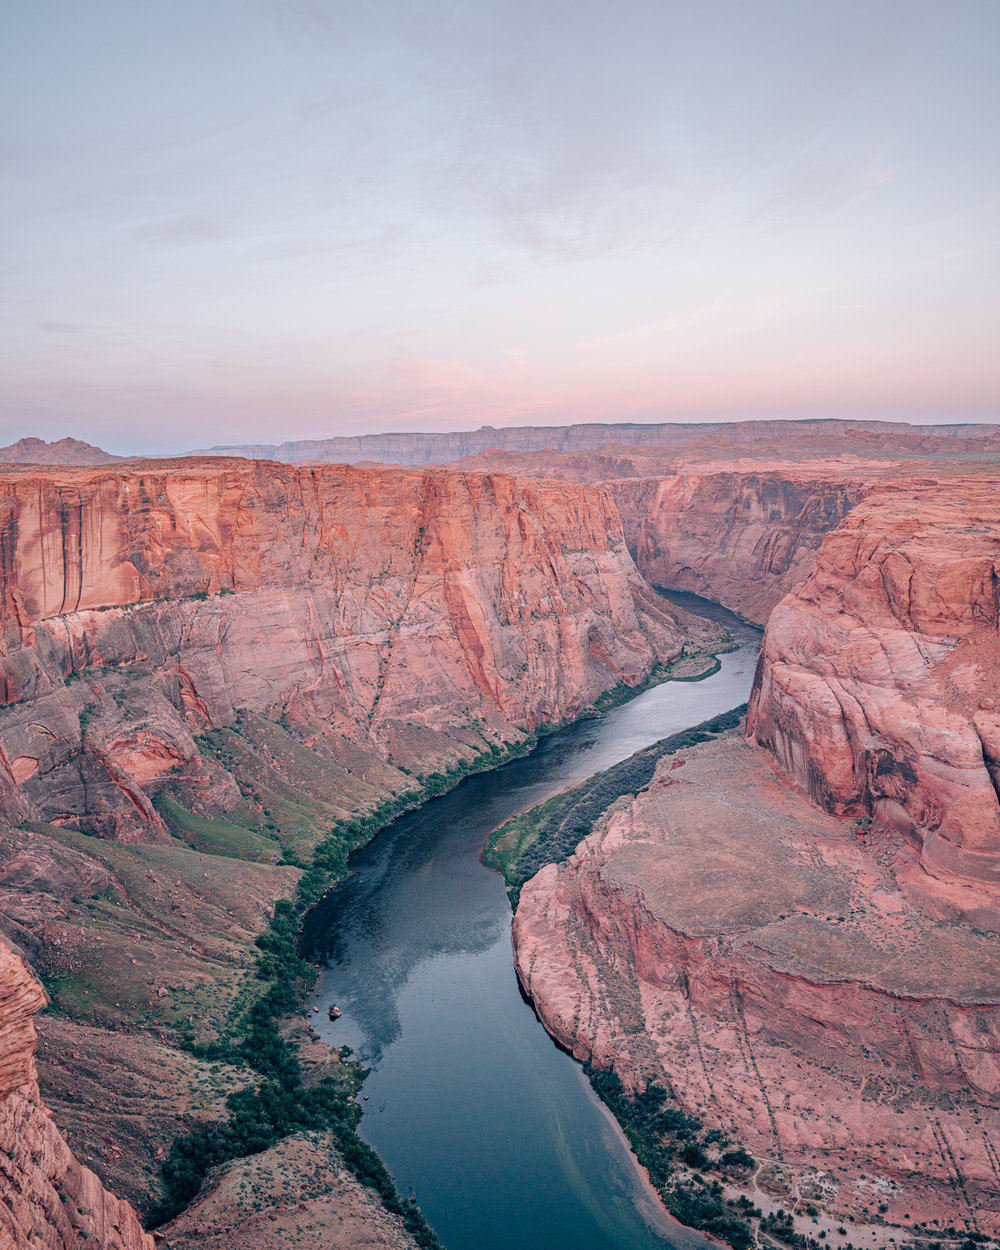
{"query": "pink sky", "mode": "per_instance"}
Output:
(254, 222)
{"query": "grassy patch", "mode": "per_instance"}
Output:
(550, 832)
(279, 1103)
(689, 666)
(217, 837)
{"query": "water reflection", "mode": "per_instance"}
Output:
(470, 1103)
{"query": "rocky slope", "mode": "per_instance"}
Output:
(799, 934)
(744, 538)
(743, 531)
(428, 615)
(218, 666)
(741, 522)
(878, 681)
(723, 937)
(46, 1197)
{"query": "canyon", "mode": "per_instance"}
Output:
(796, 932)
(210, 669)
(208, 665)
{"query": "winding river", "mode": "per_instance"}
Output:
(470, 1103)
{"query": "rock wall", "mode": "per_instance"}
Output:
(144, 604)
(47, 1198)
(724, 939)
(878, 680)
(743, 538)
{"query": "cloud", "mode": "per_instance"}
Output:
(426, 373)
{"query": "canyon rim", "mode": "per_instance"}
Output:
(220, 674)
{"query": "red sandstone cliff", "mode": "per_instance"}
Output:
(821, 982)
(722, 938)
(419, 611)
(744, 538)
(877, 681)
(47, 1198)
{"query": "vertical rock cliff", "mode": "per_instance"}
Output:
(426, 614)
(47, 1198)
(799, 935)
(744, 538)
(878, 680)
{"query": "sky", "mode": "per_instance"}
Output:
(230, 221)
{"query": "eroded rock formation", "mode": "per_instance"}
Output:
(744, 538)
(456, 444)
(47, 1198)
(878, 678)
(800, 932)
(722, 936)
(61, 451)
(419, 612)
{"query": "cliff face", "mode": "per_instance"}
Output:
(878, 677)
(416, 612)
(49, 1199)
(742, 538)
(814, 968)
(720, 936)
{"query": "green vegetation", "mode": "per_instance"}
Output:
(692, 665)
(672, 1147)
(278, 1103)
(216, 837)
(551, 831)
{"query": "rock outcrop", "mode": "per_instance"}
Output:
(721, 936)
(418, 612)
(742, 537)
(62, 451)
(877, 684)
(799, 933)
(47, 1198)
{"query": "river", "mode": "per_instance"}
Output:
(469, 1102)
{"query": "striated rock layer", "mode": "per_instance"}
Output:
(47, 1198)
(744, 538)
(721, 935)
(877, 683)
(146, 603)
(815, 967)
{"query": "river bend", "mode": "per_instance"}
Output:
(469, 1102)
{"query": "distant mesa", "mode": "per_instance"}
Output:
(64, 451)
(444, 448)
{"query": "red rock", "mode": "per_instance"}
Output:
(735, 945)
(872, 679)
(742, 538)
(49, 1198)
(370, 601)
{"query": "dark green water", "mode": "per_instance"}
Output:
(470, 1103)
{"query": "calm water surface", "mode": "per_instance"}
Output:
(470, 1103)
